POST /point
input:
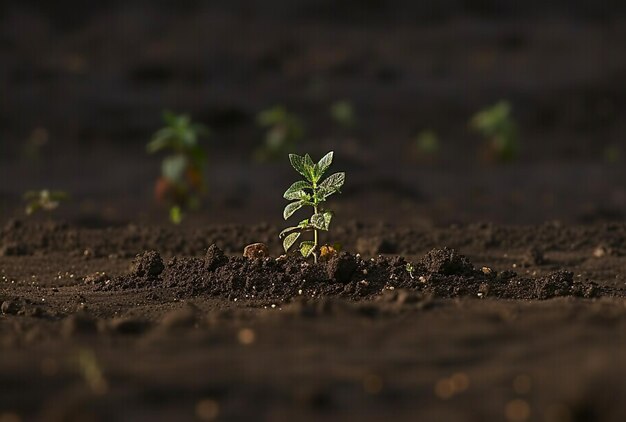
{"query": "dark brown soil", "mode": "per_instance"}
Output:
(514, 308)
(497, 335)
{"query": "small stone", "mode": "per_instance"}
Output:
(256, 251)
(486, 270)
(148, 264)
(601, 251)
(10, 307)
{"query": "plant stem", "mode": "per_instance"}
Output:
(315, 241)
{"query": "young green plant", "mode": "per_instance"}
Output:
(497, 125)
(44, 200)
(182, 171)
(284, 131)
(311, 192)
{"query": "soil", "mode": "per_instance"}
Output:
(515, 323)
(465, 289)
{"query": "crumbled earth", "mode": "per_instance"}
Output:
(180, 325)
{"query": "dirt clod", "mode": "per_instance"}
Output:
(447, 262)
(147, 265)
(214, 258)
(341, 267)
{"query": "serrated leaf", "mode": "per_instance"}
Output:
(328, 216)
(300, 194)
(323, 164)
(333, 183)
(287, 230)
(318, 221)
(306, 248)
(291, 208)
(290, 240)
(297, 187)
(298, 163)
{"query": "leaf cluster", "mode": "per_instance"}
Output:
(284, 130)
(180, 137)
(312, 191)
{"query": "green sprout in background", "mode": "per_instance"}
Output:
(343, 114)
(181, 184)
(284, 131)
(310, 192)
(426, 144)
(44, 200)
(498, 126)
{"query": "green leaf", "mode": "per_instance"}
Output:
(306, 248)
(300, 194)
(162, 139)
(173, 167)
(303, 224)
(290, 240)
(323, 164)
(287, 230)
(328, 216)
(176, 215)
(318, 221)
(298, 163)
(291, 208)
(333, 183)
(296, 188)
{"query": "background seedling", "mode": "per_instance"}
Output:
(310, 192)
(284, 131)
(343, 114)
(426, 144)
(181, 184)
(498, 126)
(43, 200)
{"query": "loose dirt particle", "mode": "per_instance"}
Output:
(256, 251)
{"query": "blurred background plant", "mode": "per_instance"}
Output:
(283, 132)
(342, 112)
(44, 200)
(182, 181)
(425, 145)
(499, 128)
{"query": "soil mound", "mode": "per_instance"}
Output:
(441, 273)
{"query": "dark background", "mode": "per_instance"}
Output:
(91, 82)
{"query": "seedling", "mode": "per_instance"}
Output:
(43, 200)
(426, 143)
(500, 129)
(181, 184)
(342, 112)
(310, 192)
(284, 131)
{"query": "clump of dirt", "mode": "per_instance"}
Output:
(440, 273)
(447, 262)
